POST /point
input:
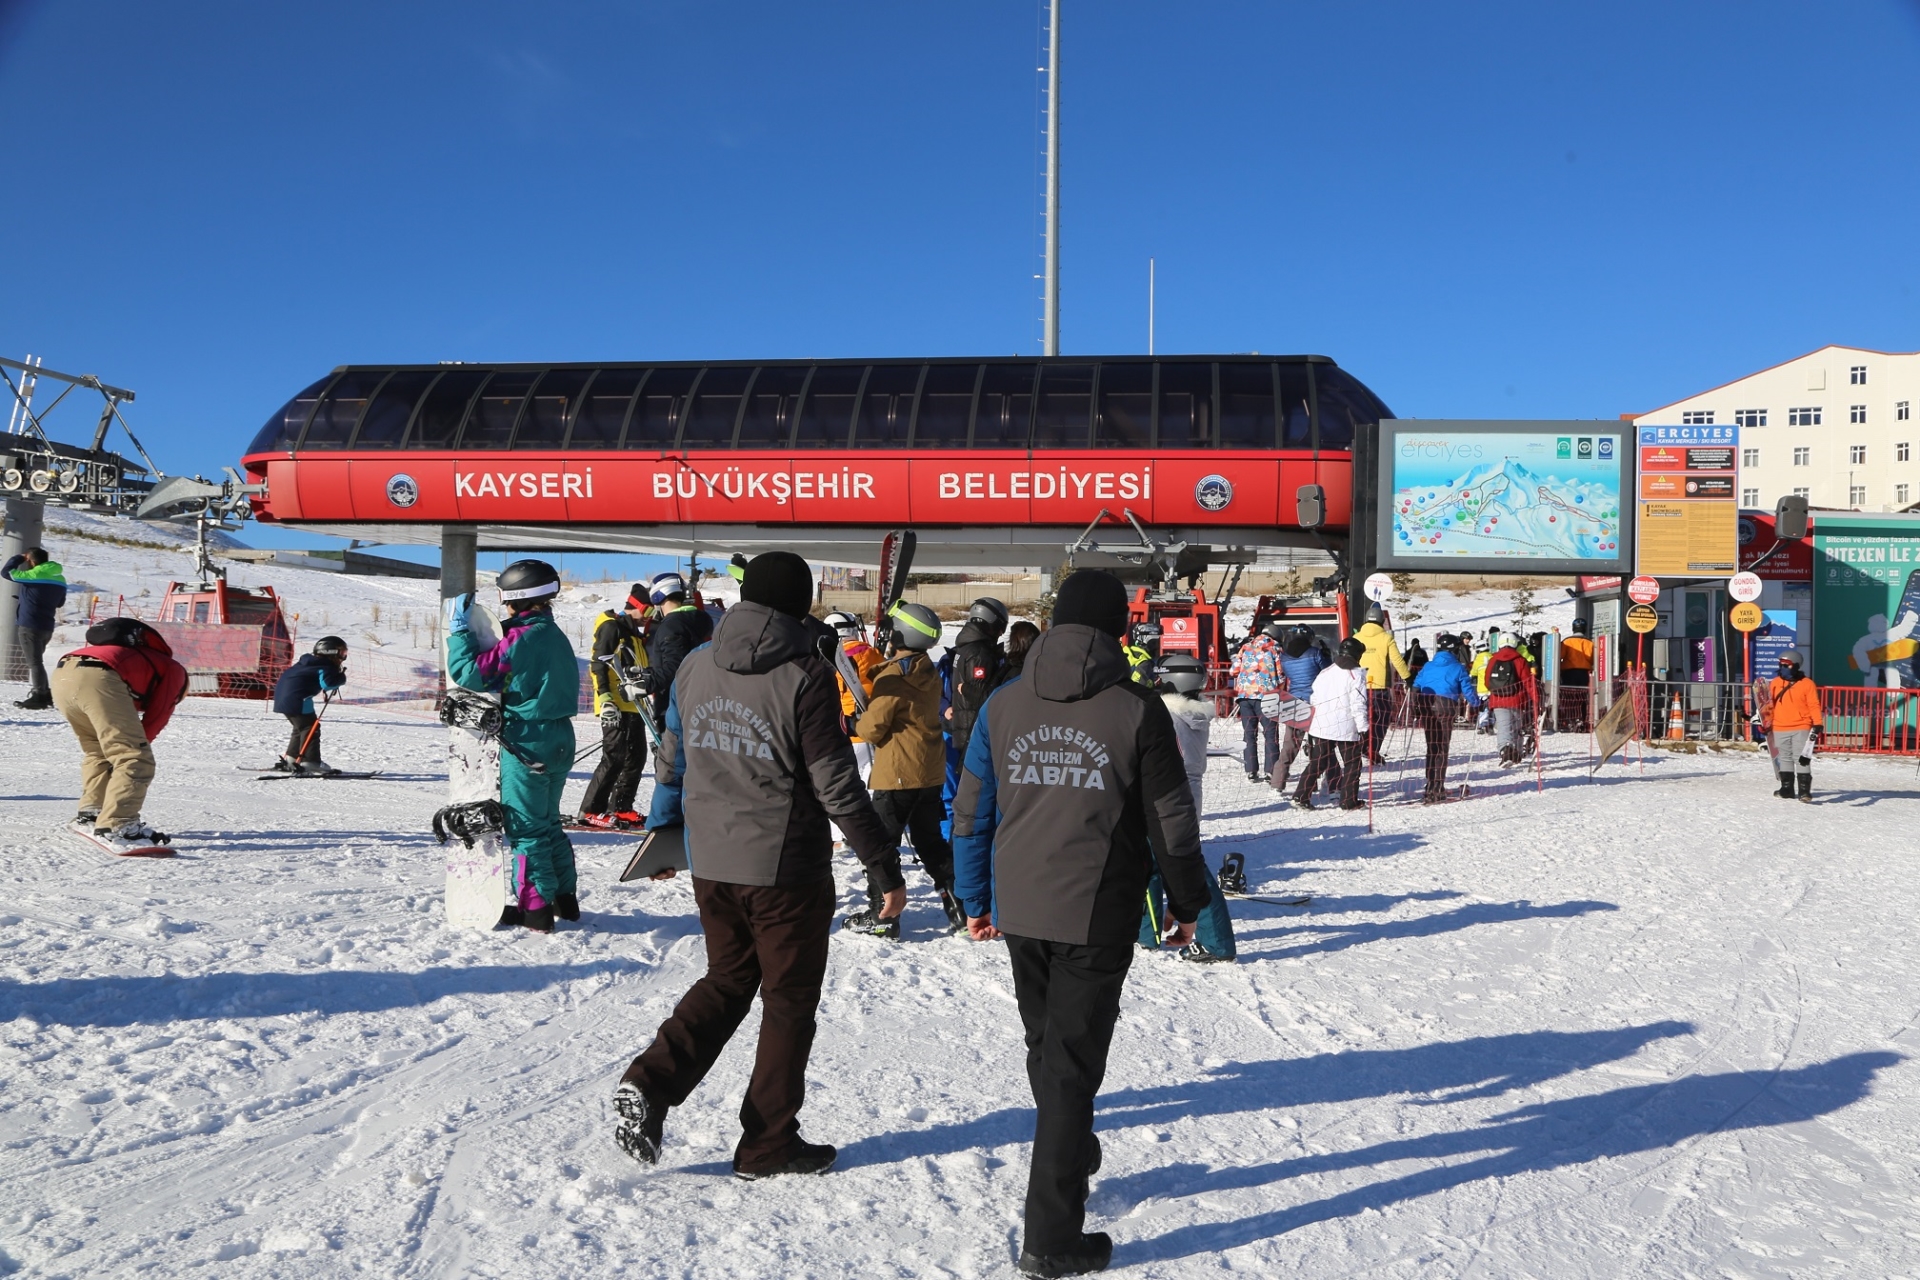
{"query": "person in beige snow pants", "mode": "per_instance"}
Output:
(117, 765)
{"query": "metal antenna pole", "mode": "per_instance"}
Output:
(1050, 344)
(1149, 306)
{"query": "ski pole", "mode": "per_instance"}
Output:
(326, 700)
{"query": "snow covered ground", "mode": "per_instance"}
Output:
(1653, 1024)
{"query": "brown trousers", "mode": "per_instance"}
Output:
(773, 940)
(116, 764)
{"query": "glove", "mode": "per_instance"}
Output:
(610, 718)
(456, 612)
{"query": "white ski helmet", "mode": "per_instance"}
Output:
(844, 623)
(666, 584)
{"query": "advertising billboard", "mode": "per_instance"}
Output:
(1688, 498)
(1505, 497)
(1866, 599)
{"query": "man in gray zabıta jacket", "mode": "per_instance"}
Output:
(1072, 792)
(754, 762)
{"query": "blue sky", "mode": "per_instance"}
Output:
(1495, 210)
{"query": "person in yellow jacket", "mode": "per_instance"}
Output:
(1379, 651)
(1482, 655)
(618, 669)
(1792, 718)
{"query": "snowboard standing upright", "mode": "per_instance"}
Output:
(477, 861)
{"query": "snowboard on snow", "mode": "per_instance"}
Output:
(477, 858)
(145, 851)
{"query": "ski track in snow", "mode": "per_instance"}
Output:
(1654, 1024)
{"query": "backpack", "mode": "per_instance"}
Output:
(126, 633)
(976, 671)
(1502, 677)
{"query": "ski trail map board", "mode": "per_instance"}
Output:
(476, 875)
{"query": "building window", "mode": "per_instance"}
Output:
(1857, 413)
(1901, 495)
(1749, 457)
(1857, 375)
(1749, 497)
(1809, 417)
(1856, 495)
(1901, 452)
(1856, 454)
(1750, 417)
(1900, 413)
(1803, 456)
(1697, 418)
(1803, 493)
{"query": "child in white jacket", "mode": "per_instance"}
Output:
(1339, 722)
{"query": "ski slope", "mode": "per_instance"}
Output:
(1653, 1024)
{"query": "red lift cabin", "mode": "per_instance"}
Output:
(233, 641)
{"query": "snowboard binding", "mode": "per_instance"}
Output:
(1233, 874)
(464, 709)
(469, 821)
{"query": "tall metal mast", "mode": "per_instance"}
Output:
(1050, 342)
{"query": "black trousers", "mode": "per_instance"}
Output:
(304, 742)
(1069, 998)
(1436, 715)
(1320, 761)
(623, 757)
(34, 645)
(1379, 719)
(766, 939)
(921, 813)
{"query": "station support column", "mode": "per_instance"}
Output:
(24, 526)
(459, 557)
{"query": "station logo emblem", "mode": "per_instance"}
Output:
(1213, 493)
(402, 491)
(1606, 448)
(1563, 447)
(1584, 448)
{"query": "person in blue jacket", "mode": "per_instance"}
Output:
(1301, 662)
(41, 589)
(1442, 685)
(316, 675)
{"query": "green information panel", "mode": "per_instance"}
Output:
(1866, 599)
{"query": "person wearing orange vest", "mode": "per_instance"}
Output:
(1792, 719)
(1576, 657)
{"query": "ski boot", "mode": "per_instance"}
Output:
(1233, 874)
(314, 769)
(870, 921)
(628, 820)
(285, 764)
(1198, 954)
(598, 821)
(956, 914)
(642, 1123)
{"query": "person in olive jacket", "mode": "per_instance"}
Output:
(752, 765)
(1073, 791)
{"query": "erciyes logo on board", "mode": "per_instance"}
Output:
(402, 490)
(1213, 493)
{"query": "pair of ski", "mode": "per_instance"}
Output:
(896, 562)
(1233, 884)
(268, 773)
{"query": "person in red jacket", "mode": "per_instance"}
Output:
(1510, 692)
(118, 694)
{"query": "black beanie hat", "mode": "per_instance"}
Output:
(781, 581)
(1092, 598)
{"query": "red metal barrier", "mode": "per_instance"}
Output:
(1874, 722)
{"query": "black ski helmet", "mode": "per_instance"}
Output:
(1182, 673)
(1275, 631)
(1351, 650)
(1298, 641)
(527, 582)
(1579, 626)
(330, 647)
(990, 611)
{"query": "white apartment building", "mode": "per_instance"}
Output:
(1836, 427)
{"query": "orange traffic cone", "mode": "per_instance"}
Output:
(1676, 721)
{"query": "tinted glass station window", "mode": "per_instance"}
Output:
(340, 410)
(1246, 406)
(716, 407)
(490, 425)
(946, 406)
(283, 429)
(828, 412)
(1063, 416)
(1006, 407)
(603, 409)
(1344, 404)
(437, 425)
(886, 406)
(392, 408)
(1125, 418)
(656, 415)
(1186, 406)
(1296, 419)
(544, 425)
(776, 394)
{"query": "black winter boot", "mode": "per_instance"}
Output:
(1094, 1253)
(1806, 787)
(566, 906)
(642, 1123)
(35, 702)
(540, 921)
(1786, 787)
(802, 1157)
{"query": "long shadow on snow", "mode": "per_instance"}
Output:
(1342, 936)
(136, 1000)
(1546, 1135)
(1482, 1067)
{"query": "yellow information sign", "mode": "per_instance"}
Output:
(1689, 501)
(1689, 539)
(1746, 617)
(1642, 618)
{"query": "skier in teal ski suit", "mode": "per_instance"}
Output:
(534, 671)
